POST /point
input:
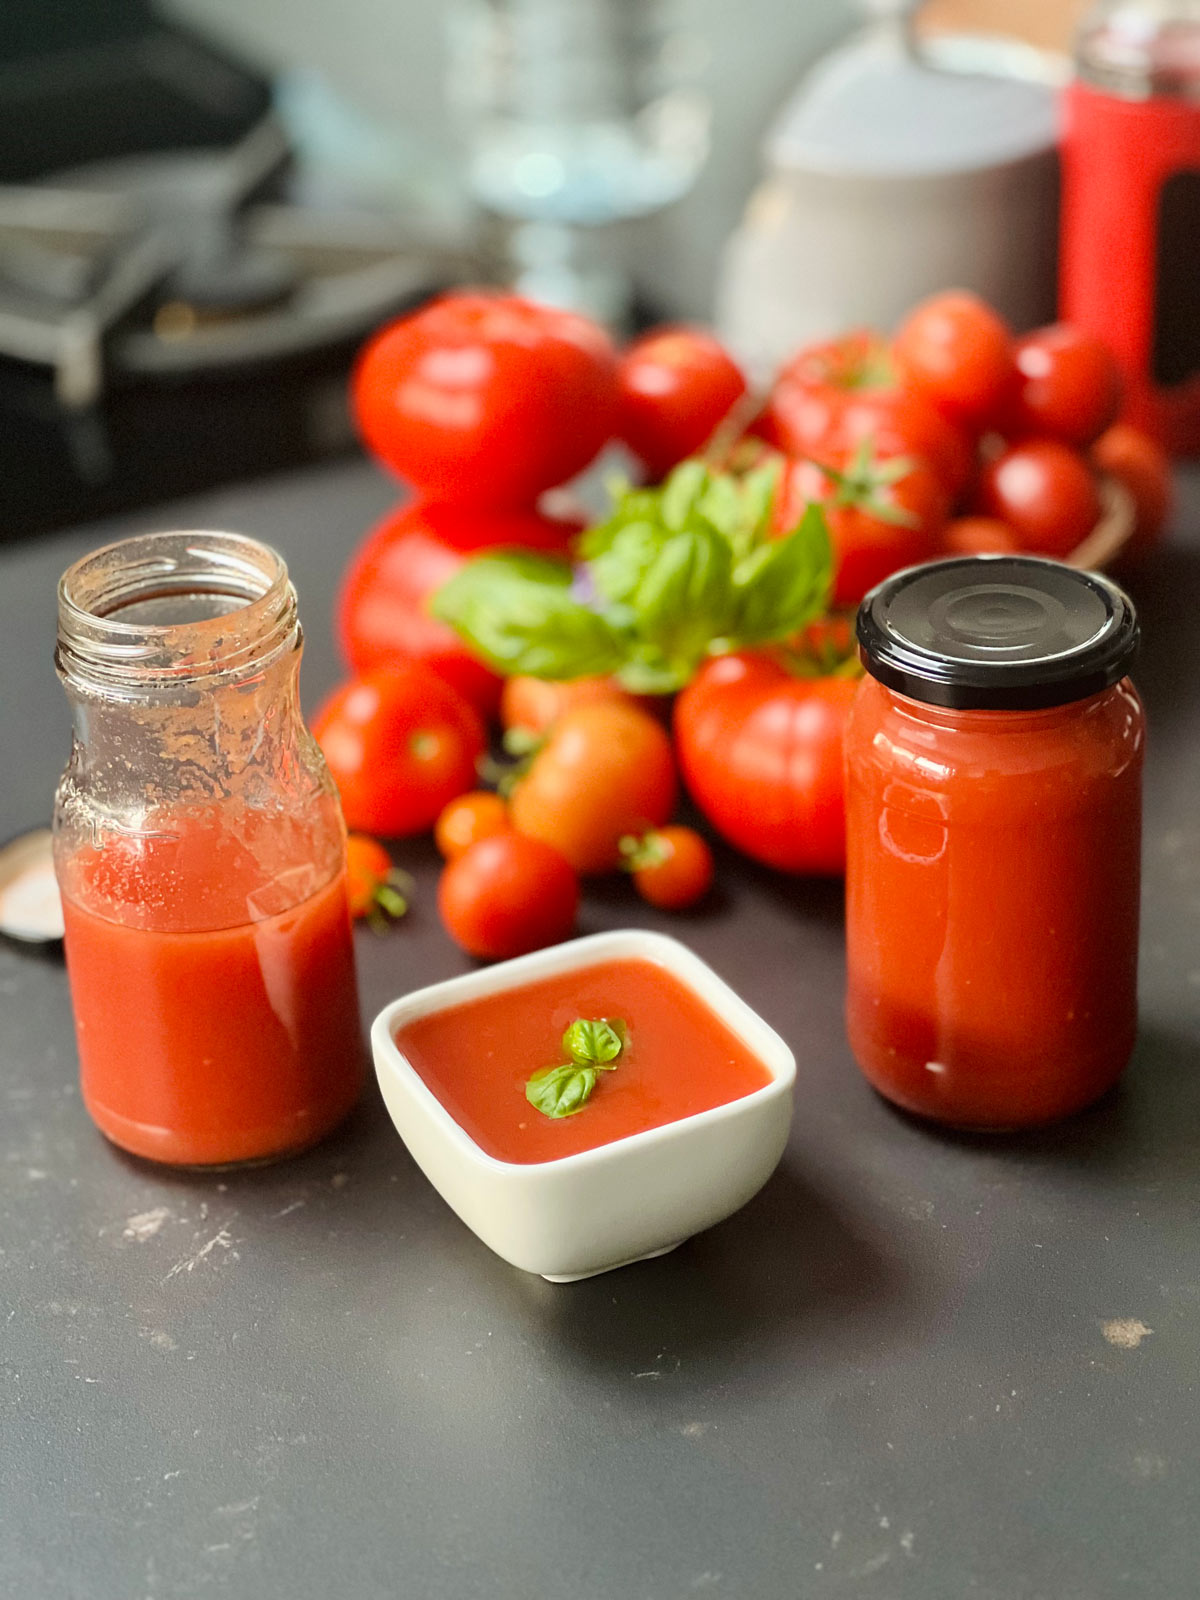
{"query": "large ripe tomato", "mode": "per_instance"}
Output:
(505, 895)
(400, 744)
(878, 523)
(382, 612)
(676, 384)
(606, 770)
(958, 352)
(485, 398)
(1068, 386)
(761, 755)
(830, 397)
(1046, 493)
(1141, 464)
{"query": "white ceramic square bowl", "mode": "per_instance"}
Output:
(620, 1202)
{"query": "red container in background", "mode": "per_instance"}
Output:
(1131, 206)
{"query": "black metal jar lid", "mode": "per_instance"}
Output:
(997, 633)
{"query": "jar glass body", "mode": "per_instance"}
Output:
(993, 875)
(200, 853)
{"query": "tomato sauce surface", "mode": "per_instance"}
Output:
(680, 1058)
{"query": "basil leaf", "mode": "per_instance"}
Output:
(619, 568)
(684, 597)
(681, 494)
(784, 584)
(517, 612)
(594, 1043)
(561, 1091)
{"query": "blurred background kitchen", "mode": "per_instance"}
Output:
(208, 204)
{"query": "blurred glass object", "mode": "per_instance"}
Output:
(577, 114)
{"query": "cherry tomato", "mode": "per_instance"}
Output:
(1068, 386)
(473, 816)
(672, 867)
(400, 743)
(382, 613)
(486, 399)
(676, 384)
(1046, 493)
(1141, 464)
(606, 770)
(957, 352)
(508, 894)
(831, 397)
(979, 536)
(761, 754)
(536, 704)
(878, 522)
(375, 889)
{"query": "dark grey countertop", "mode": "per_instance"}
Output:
(916, 1367)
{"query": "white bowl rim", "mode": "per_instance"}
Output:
(770, 1049)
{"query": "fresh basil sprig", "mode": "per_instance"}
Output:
(593, 1046)
(675, 574)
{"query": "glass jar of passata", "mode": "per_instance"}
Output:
(200, 852)
(994, 757)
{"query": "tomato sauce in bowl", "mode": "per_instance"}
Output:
(680, 1058)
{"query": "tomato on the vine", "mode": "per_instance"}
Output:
(675, 384)
(958, 352)
(382, 614)
(1141, 464)
(375, 888)
(672, 867)
(605, 770)
(475, 815)
(761, 754)
(1068, 386)
(1045, 492)
(508, 894)
(831, 397)
(486, 398)
(882, 515)
(400, 743)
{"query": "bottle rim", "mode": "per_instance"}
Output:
(162, 610)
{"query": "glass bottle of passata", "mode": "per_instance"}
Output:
(200, 853)
(994, 756)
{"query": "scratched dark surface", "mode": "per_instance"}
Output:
(917, 1367)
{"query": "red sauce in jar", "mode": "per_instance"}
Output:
(680, 1058)
(215, 1001)
(992, 888)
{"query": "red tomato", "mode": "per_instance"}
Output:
(382, 613)
(956, 351)
(536, 704)
(508, 894)
(486, 398)
(374, 888)
(831, 397)
(761, 754)
(672, 867)
(676, 384)
(606, 770)
(1068, 386)
(400, 743)
(1046, 493)
(1141, 464)
(877, 525)
(979, 536)
(474, 816)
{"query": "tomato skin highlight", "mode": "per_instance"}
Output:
(400, 743)
(382, 613)
(1068, 386)
(506, 895)
(485, 398)
(605, 771)
(761, 755)
(476, 815)
(675, 384)
(958, 352)
(1046, 493)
